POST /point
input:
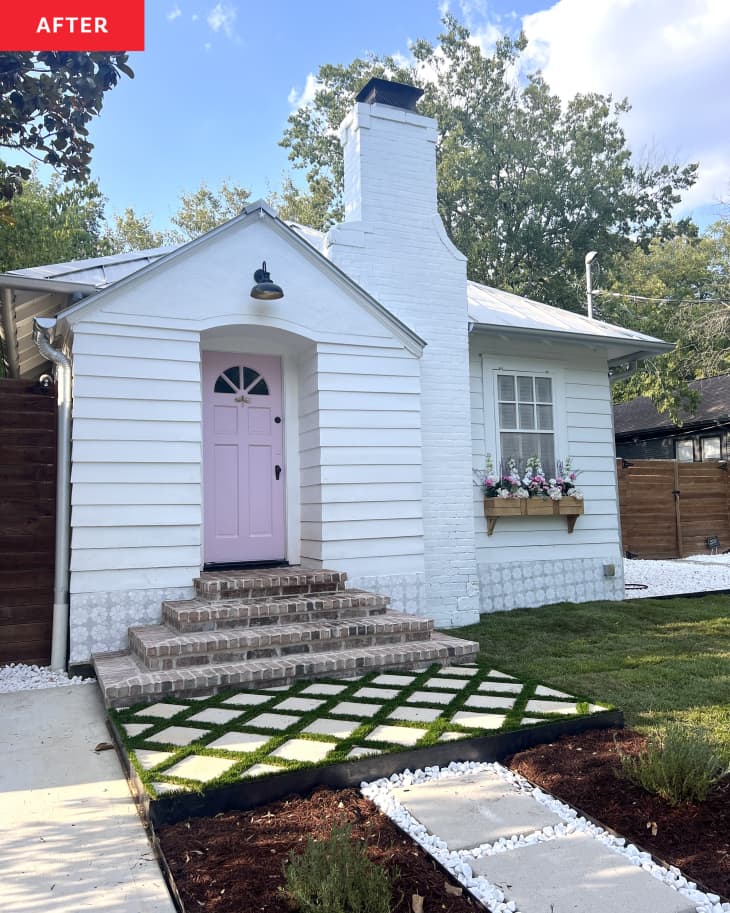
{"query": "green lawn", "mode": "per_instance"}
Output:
(656, 659)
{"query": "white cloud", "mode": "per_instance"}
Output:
(299, 99)
(223, 18)
(174, 13)
(668, 58)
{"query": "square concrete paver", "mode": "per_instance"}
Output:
(551, 707)
(347, 708)
(495, 673)
(474, 720)
(179, 735)
(400, 735)
(447, 682)
(240, 741)
(474, 809)
(162, 711)
(501, 687)
(200, 767)
(542, 691)
(215, 715)
(430, 697)
(453, 736)
(340, 729)
(358, 752)
(162, 788)
(401, 680)
(246, 699)
(458, 670)
(380, 694)
(489, 700)
(133, 729)
(278, 721)
(303, 750)
(257, 769)
(299, 704)
(323, 688)
(149, 759)
(577, 874)
(415, 714)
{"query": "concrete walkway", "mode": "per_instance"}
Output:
(495, 831)
(70, 835)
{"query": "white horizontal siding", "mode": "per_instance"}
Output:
(136, 492)
(585, 417)
(361, 491)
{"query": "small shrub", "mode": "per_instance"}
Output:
(678, 764)
(336, 876)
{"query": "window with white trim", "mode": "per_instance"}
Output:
(526, 417)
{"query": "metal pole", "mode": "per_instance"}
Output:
(590, 257)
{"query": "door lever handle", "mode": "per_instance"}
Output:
(277, 471)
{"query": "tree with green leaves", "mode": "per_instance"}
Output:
(130, 232)
(52, 223)
(205, 209)
(47, 99)
(526, 186)
(676, 287)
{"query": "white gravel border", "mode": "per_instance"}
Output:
(698, 574)
(458, 862)
(19, 677)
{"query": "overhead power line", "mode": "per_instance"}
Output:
(662, 300)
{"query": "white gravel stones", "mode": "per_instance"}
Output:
(460, 863)
(20, 677)
(696, 574)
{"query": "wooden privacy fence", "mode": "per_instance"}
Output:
(27, 518)
(670, 509)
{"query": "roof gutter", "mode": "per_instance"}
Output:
(9, 335)
(43, 329)
(30, 284)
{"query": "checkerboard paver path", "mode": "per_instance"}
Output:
(183, 744)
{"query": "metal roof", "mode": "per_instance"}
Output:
(641, 415)
(491, 309)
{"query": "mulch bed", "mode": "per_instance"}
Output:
(583, 770)
(233, 862)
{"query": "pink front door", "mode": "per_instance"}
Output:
(243, 471)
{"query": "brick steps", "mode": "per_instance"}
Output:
(267, 627)
(203, 615)
(125, 681)
(160, 648)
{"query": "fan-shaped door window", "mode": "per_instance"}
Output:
(242, 380)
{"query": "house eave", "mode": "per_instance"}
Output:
(629, 350)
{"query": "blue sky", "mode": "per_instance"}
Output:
(217, 81)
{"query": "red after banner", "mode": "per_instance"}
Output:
(72, 25)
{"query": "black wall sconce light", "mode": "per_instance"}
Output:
(265, 289)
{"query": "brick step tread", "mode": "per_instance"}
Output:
(124, 681)
(268, 581)
(202, 613)
(159, 640)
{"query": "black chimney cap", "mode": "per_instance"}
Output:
(385, 92)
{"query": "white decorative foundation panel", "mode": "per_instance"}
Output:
(525, 583)
(98, 621)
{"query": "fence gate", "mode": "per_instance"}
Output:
(27, 533)
(670, 509)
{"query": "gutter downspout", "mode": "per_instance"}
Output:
(42, 332)
(11, 340)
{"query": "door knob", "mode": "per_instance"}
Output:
(277, 471)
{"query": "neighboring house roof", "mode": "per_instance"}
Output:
(640, 415)
(64, 288)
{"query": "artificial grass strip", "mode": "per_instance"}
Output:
(358, 738)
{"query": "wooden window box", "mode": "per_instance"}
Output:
(568, 507)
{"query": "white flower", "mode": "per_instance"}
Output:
(577, 493)
(503, 493)
(522, 493)
(555, 494)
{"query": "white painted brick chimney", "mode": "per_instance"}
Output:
(393, 243)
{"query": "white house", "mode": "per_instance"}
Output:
(337, 426)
